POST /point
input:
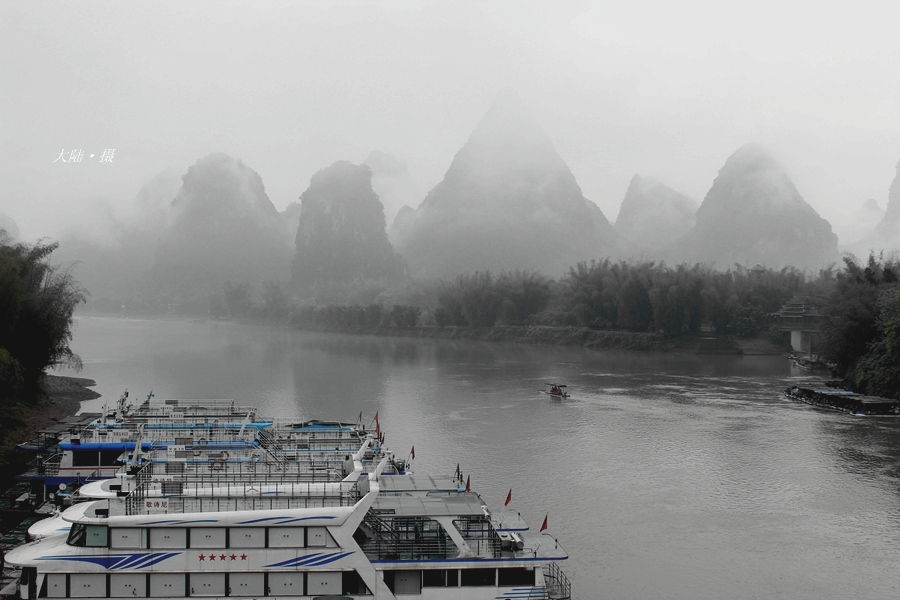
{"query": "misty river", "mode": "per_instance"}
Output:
(665, 475)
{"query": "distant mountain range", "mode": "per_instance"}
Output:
(507, 201)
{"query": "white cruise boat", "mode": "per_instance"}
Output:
(269, 527)
(418, 539)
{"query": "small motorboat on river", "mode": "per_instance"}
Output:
(557, 390)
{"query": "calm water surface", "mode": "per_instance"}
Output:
(665, 476)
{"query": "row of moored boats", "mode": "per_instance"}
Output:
(202, 498)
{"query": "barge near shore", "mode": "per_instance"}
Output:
(846, 401)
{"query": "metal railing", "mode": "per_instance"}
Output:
(186, 497)
(398, 538)
(208, 477)
(221, 471)
(558, 585)
(480, 535)
(47, 465)
(269, 444)
(187, 433)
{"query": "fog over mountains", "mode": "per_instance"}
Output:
(860, 223)
(753, 213)
(886, 235)
(223, 227)
(8, 224)
(508, 201)
(653, 215)
(341, 238)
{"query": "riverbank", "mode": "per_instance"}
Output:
(592, 339)
(58, 398)
(572, 337)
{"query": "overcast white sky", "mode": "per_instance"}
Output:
(667, 89)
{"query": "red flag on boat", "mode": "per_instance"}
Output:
(376, 416)
(457, 469)
(382, 439)
(377, 428)
(508, 498)
(468, 483)
(544, 524)
(413, 452)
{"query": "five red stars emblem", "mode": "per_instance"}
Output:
(223, 557)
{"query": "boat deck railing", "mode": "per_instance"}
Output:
(558, 585)
(222, 472)
(175, 422)
(405, 539)
(421, 538)
(182, 497)
(172, 403)
(316, 439)
(270, 445)
(299, 425)
(480, 535)
(44, 465)
(185, 435)
(232, 413)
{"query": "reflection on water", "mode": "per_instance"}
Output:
(665, 475)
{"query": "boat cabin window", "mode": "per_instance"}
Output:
(85, 458)
(93, 536)
(354, 584)
(440, 578)
(515, 576)
(110, 458)
(479, 577)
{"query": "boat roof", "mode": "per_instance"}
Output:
(72, 422)
(456, 504)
